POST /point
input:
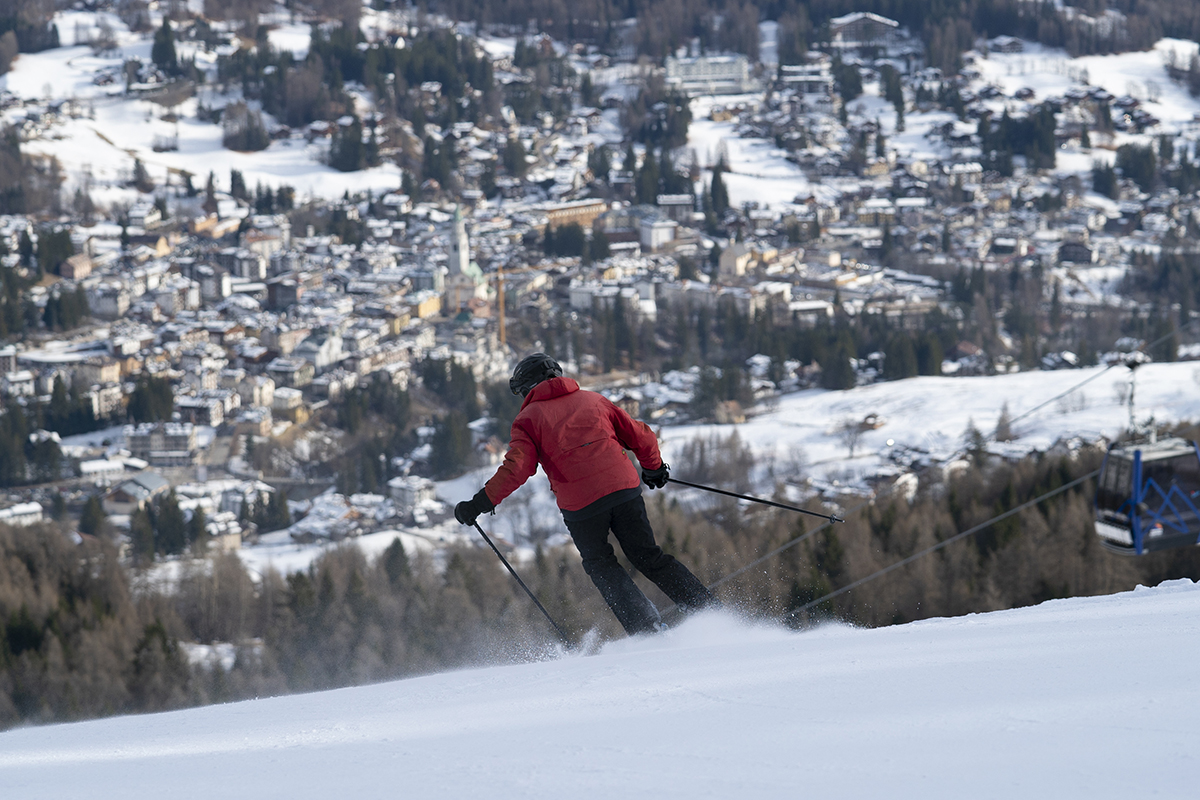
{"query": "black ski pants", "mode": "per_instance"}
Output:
(628, 522)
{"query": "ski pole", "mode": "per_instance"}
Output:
(504, 561)
(715, 490)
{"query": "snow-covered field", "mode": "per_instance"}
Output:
(1087, 697)
(932, 415)
(760, 173)
(279, 552)
(1141, 75)
(758, 170)
(114, 130)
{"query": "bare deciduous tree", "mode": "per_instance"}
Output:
(850, 432)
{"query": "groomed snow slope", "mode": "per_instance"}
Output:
(1092, 697)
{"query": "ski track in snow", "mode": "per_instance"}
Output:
(1087, 697)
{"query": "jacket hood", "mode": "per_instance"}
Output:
(550, 389)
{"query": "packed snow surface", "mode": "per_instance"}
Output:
(1091, 697)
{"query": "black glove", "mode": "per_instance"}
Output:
(468, 511)
(657, 478)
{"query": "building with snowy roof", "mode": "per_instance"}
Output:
(717, 74)
(135, 493)
(163, 444)
(21, 514)
(861, 30)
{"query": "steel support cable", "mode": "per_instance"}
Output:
(968, 532)
(1061, 395)
(1085, 381)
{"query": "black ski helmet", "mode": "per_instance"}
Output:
(532, 370)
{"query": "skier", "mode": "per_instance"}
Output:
(579, 438)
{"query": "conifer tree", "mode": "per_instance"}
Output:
(197, 530)
(278, 515)
(141, 537)
(162, 53)
(930, 355)
(60, 407)
(141, 177)
(395, 562)
(25, 247)
(451, 445)
(836, 370)
(717, 192)
(170, 534)
(900, 358)
(1004, 431)
(371, 151)
(647, 181)
(346, 150)
(597, 248)
(92, 520)
(513, 158)
(237, 185)
(210, 194)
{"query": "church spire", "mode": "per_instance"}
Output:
(460, 247)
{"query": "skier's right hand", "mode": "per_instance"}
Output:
(468, 511)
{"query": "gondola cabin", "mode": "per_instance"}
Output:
(1148, 497)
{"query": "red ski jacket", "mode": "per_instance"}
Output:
(579, 438)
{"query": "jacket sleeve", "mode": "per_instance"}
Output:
(636, 436)
(520, 462)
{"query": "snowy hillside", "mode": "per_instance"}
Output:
(1139, 74)
(1090, 697)
(931, 415)
(760, 173)
(115, 128)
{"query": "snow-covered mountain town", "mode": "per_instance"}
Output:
(266, 270)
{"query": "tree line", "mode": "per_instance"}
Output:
(27, 24)
(946, 27)
(28, 183)
(724, 336)
(75, 642)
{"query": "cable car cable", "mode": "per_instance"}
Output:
(1061, 395)
(1081, 384)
